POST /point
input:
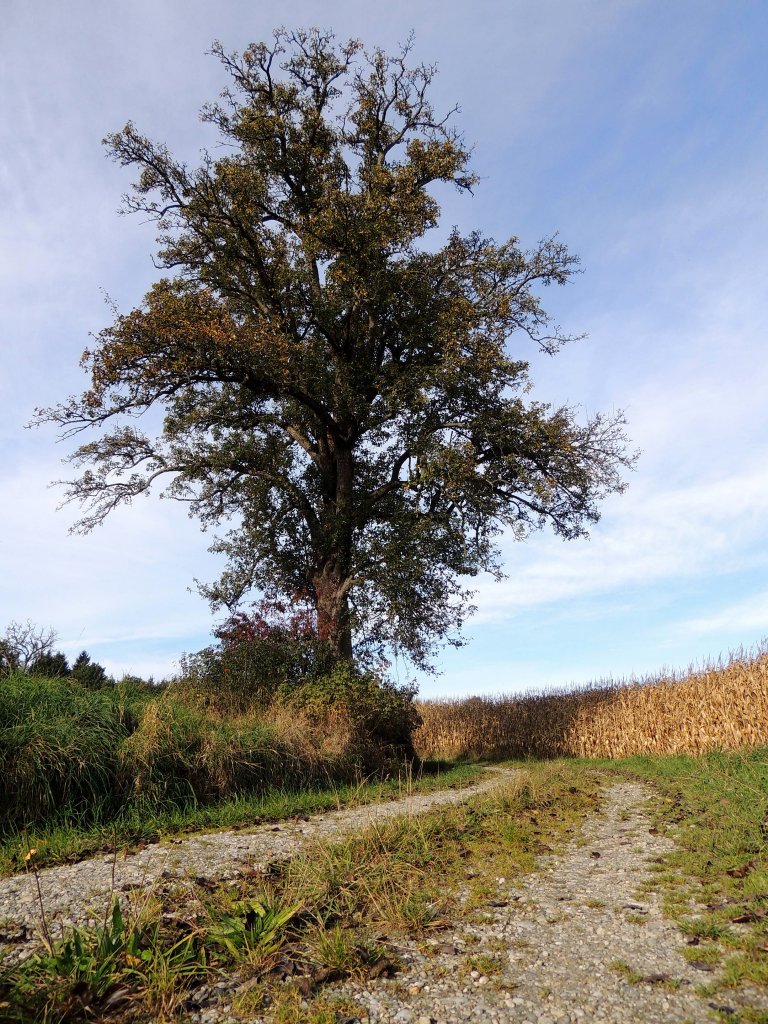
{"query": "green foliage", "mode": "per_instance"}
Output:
(59, 747)
(89, 673)
(342, 388)
(258, 657)
(50, 665)
(90, 973)
(92, 958)
(254, 929)
(381, 712)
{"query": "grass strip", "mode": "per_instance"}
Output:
(715, 882)
(74, 840)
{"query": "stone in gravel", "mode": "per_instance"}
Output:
(699, 965)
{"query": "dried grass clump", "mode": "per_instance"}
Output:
(722, 706)
(183, 752)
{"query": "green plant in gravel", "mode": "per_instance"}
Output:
(335, 949)
(380, 873)
(342, 952)
(748, 1015)
(288, 1006)
(637, 919)
(706, 929)
(419, 910)
(708, 954)
(485, 964)
(94, 973)
(628, 973)
(254, 931)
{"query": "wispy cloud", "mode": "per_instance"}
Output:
(646, 538)
(125, 585)
(738, 619)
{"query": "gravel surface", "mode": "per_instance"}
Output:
(80, 893)
(572, 945)
(558, 943)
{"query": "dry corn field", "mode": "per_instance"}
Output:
(721, 706)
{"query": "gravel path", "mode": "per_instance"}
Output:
(572, 945)
(558, 943)
(79, 893)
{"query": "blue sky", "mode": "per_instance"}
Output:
(638, 130)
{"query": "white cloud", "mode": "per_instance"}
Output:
(645, 538)
(738, 619)
(125, 585)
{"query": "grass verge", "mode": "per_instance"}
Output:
(128, 756)
(73, 840)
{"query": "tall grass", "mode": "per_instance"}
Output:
(722, 706)
(60, 746)
(73, 755)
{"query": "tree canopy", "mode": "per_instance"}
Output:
(348, 400)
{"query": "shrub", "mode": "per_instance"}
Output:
(272, 649)
(183, 752)
(73, 754)
(379, 716)
(272, 661)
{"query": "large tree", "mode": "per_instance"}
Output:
(349, 399)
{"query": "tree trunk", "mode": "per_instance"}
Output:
(333, 623)
(330, 579)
